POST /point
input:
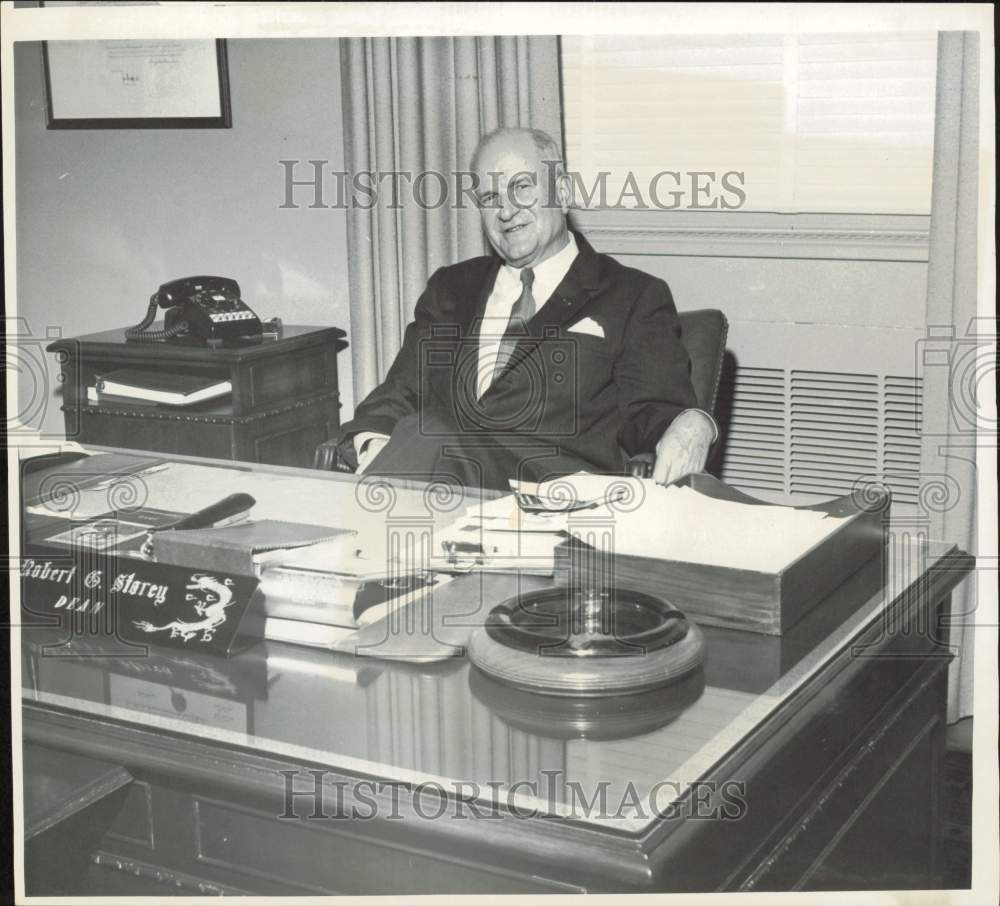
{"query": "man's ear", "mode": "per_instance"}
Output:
(564, 191)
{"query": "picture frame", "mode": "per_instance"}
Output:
(137, 84)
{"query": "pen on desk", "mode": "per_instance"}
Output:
(227, 509)
(215, 513)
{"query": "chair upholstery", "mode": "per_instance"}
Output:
(704, 334)
(328, 458)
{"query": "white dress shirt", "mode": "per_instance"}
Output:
(506, 291)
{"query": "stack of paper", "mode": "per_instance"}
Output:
(635, 517)
(499, 535)
(522, 530)
(678, 523)
(580, 491)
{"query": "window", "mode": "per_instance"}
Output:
(799, 123)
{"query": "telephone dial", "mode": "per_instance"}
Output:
(206, 308)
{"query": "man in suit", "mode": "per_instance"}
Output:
(542, 360)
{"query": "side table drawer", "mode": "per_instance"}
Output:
(273, 380)
(285, 435)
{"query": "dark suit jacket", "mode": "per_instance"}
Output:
(585, 394)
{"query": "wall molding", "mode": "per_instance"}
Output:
(716, 234)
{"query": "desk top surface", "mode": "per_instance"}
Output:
(444, 722)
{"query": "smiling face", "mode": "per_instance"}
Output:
(523, 201)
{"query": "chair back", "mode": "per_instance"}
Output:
(704, 334)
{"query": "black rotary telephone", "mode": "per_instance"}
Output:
(207, 308)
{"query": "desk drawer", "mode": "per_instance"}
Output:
(784, 777)
(326, 857)
(886, 792)
(134, 823)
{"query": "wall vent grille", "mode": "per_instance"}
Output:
(752, 408)
(901, 438)
(834, 431)
(799, 435)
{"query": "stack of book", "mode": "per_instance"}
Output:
(313, 607)
(319, 594)
(134, 387)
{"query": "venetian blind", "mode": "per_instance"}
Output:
(824, 123)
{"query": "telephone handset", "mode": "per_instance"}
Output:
(209, 308)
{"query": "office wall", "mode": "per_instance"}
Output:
(105, 216)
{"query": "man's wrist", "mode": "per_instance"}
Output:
(708, 418)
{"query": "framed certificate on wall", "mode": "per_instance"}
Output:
(136, 84)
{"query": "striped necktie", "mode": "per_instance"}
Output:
(520, 314)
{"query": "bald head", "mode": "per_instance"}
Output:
(521, 138)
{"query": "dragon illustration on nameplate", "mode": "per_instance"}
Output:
(212, 597)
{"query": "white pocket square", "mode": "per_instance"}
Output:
(588, 326)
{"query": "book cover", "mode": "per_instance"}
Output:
(301, 632)
(97, 398)
(238, 548)
(164, 387)
(330, 598)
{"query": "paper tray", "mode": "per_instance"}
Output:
(764, 602)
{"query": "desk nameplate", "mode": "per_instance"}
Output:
(97, 592)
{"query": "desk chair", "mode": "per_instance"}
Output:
(704, 333)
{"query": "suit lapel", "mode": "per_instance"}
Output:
(467, 341)
(576, 289)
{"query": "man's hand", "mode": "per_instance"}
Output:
(684, 446)
(368, 447)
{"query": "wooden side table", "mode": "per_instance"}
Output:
(285, 397)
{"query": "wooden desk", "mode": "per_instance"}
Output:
(809, 761)
(285, 397)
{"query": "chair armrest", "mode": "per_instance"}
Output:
(640, 465)
(329, 458)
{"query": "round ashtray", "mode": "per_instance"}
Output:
(588, 717)
(564, 641)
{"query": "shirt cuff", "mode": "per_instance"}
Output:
(361, 438)
(711, 421)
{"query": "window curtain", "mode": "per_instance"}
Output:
(413, 106)
(955, 361)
